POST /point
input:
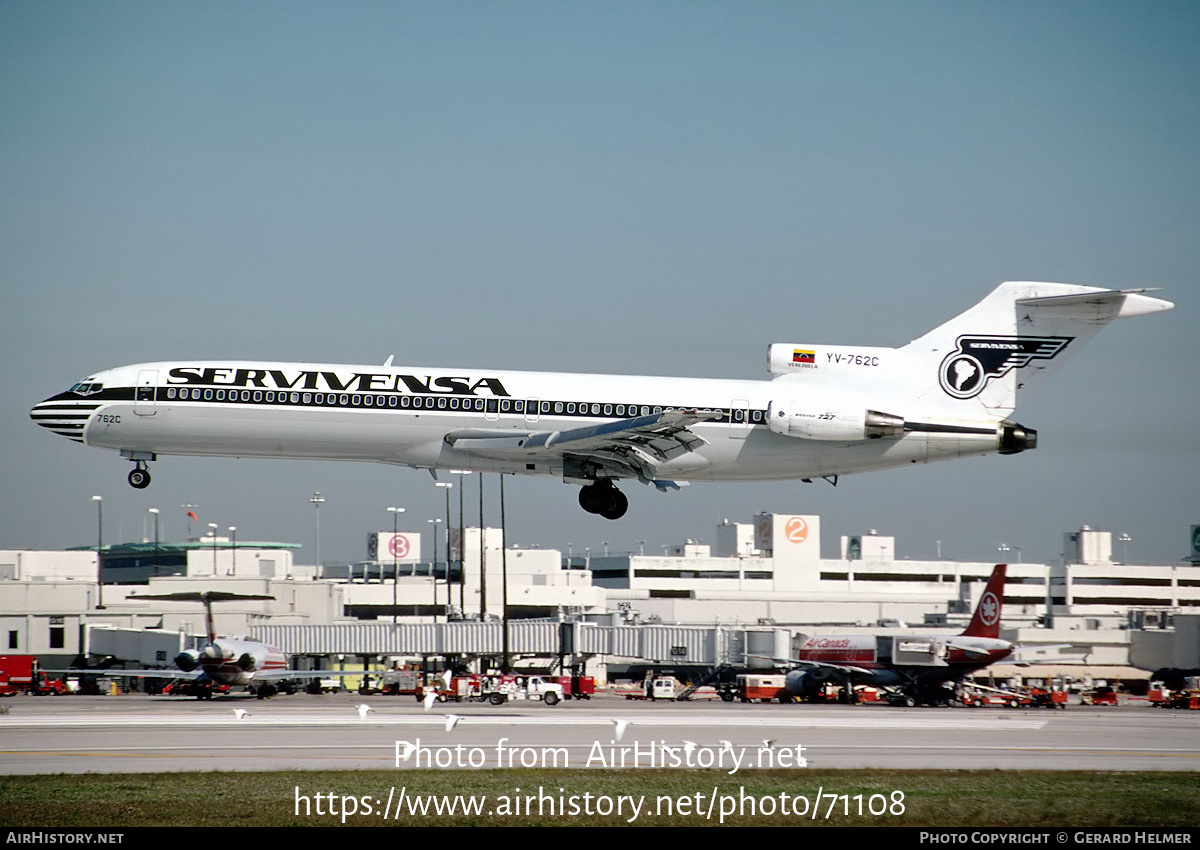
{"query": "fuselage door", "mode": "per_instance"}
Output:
(144, 393)
(739, 418)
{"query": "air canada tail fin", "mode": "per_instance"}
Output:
(1017, 335)
(986, 622)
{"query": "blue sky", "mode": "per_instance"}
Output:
(644, 188)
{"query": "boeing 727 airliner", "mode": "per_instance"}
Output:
(826, 410)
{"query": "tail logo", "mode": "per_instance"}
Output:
(989, 609)
(966, 371)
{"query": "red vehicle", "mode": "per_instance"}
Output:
(1102, 695)
(757, 687)
(1043, 698)
(978, 695)
(1189, 700)
(43, 685)
(1011, 700)
(16, 673)
(20, 673)
(577, 687)
(452, 688)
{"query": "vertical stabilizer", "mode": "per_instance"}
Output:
(986, 622)
(1017, 335)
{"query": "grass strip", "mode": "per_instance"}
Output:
(590, 798)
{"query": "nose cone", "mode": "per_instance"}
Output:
(65, 414)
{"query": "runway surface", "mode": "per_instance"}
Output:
(142, 734)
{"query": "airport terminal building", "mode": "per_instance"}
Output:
(755, 594)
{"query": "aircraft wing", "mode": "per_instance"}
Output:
(817, 665)
(629, 447)
(275, 675)
(115, 672)
(826, 665)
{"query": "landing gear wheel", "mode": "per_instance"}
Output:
(139, 478)
(590, 498)
(617, 505)
(604, 499)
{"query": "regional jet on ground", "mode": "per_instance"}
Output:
(233, 661)
(826, 410)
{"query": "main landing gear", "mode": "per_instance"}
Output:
(601, 497)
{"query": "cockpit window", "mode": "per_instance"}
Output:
(87, 388)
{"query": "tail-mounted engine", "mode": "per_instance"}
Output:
(1014, 438)
(817, 421)
(250, 661)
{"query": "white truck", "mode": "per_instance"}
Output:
(501, 689)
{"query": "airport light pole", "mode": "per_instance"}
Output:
(317, 501)
(233, 549)
(482, 559)
(212, 527)
(395, 558)
(1126, 539)
(154, 513)
(99, 546)
(462, 548)
(504, 577)
(447, 486)
(1004, 547)
(433, 564)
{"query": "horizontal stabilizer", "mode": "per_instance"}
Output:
(201, 596)
(1105, 304)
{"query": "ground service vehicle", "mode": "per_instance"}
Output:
(1099, 695)
(577, 687)
(758, 687)
(501, 689)
(20, 673)
(16, 673)
(653, 688)
(406, 682)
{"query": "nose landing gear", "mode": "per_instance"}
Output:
(139, 476)
(604, 499)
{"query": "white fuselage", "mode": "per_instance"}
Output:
(828, 410)
(402, 415)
